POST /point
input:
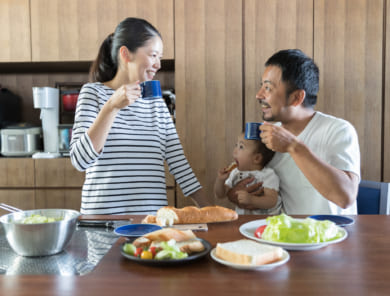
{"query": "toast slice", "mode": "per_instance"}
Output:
(248, 252)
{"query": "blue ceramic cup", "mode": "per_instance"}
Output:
(252, 131)
(151, 89)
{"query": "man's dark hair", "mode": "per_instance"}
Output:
(299, 72)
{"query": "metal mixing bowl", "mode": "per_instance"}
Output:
(40, 239)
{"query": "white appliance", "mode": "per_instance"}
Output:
(47, 99)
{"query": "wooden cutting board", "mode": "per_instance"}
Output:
(193, 227)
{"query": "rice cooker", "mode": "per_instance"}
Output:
(21, 140)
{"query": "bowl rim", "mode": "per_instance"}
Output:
(4, 218)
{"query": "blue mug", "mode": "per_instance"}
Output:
(151, 89)
(252, 131)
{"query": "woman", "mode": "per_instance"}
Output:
(122, 140)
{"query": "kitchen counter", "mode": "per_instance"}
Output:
(359, 265)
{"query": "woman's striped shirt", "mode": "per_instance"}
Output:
(128, 176)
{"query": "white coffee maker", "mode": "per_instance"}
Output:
(47, 99)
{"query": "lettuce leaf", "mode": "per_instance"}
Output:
(283, 228)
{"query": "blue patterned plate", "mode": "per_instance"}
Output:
(136, 230)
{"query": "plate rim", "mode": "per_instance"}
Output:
(166, 262)
(285, 259)
(350, 220)
(136, 224)
(291, 246)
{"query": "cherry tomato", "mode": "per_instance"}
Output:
(138, 252)
(153, 251)
(146, 255)
(259, 231)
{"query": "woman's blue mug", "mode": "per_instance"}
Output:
(252, 131)
(151, 89)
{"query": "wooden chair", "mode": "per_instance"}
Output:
(373, 198)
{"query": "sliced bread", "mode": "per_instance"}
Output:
(248, 252)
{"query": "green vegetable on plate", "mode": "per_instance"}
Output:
(283, 228)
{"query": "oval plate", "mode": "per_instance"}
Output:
(339, 220)
(284, 259)
(167, 262)
(248, 230)
(136, 230)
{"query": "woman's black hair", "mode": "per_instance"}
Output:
(132, 33)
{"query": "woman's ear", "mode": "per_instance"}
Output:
(125, 54)
(297, 97)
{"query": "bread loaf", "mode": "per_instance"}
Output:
(248, 252)
(189, 215)
(231, 167)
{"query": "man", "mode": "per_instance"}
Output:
(317, 155)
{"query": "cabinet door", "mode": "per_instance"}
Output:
(348, 50)
(208, 80)
(23, 199)
(16, 172)
(72, 30)
(386, 145)
(57, 172)
(15, 42)
(58, 199)
(269, 27)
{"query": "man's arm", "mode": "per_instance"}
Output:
(336, 185)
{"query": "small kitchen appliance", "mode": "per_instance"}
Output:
(47, 99)
(20, 140)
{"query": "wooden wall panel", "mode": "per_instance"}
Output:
(15, 41)
(16, 172)
(269, 27)
(72, 30)
(386, 141)
(348, 50)
(208, 79)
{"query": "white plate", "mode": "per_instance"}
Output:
(248, 230)
(285, 258)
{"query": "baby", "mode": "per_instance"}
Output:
(251, 157)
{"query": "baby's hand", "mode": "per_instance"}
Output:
(223, 174)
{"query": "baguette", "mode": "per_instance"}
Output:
(185, 240)
(248, 252)
(189, 215)
(163, 235)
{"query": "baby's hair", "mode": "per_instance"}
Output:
(267, 154)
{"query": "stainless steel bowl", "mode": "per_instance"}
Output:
(40, 239)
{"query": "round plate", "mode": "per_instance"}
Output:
(136, 230)
(284, 259)
(167, 262)
(248, 230)
(339, 220)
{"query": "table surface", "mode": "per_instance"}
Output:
(359, 265)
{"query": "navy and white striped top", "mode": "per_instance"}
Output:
(128, 176)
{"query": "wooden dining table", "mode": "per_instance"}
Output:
(358, 265)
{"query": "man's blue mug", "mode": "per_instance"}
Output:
(252, 131)
(151, 89)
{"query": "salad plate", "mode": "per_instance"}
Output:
(248, 230)
(168, 262)
(339, 220)
(136, 230)
(285, 258)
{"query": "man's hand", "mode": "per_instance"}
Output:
(255, 189)
(277, 138)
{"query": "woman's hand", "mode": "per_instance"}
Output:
(125, 95)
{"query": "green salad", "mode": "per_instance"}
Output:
(283, 228)
(36, 219)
